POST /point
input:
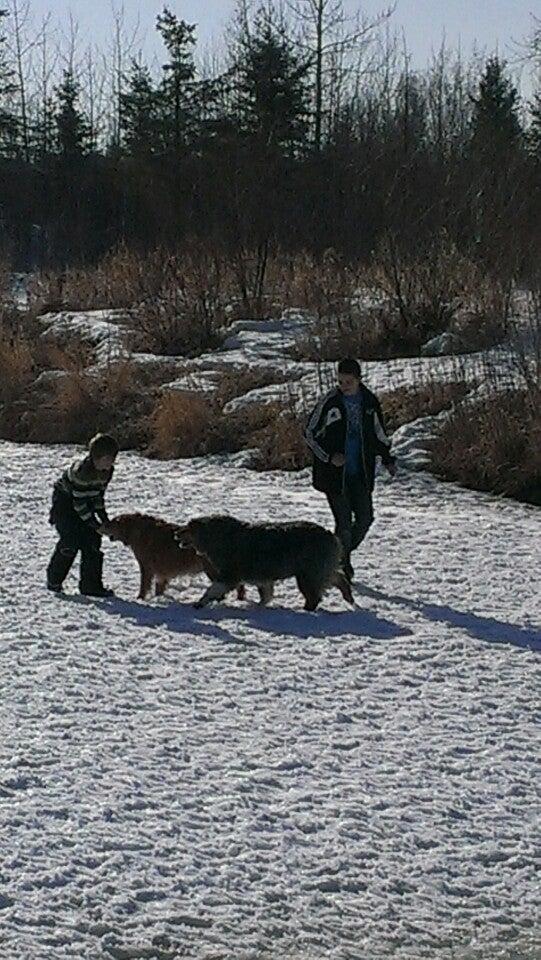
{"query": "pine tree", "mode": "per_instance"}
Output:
(496, 127)
(273, 99)
(72, 129)
(177, 88)
(534, 133)
(8, 120)
(410, 115)
(141, 113)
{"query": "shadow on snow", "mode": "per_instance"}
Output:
(483, 628)
(208, 623)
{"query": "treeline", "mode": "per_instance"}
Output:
(310, 132)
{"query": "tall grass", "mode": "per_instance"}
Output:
(494, 442)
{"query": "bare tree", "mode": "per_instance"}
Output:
(44, 71)
(122, 48)
(330, 37)
(23, 42)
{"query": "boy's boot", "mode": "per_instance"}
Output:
(91, 584)
(59, 566)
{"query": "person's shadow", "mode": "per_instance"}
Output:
(483, 628)
(208, 622)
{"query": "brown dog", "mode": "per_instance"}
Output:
(156, 549)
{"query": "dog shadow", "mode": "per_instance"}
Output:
(320, 624)
(208, 623)
(177, 617)
(487, 629)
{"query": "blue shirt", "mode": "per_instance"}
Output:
(354, 439)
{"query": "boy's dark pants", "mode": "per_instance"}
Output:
(74, 536)
(353, 514)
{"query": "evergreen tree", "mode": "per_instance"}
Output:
(496, 128)
(8, 120)
(44, 129)
(273, 99)
(534, 133)
(178, 84)
(410, 115)
(72, 129)
(141, 114)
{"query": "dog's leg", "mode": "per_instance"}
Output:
(161, 586)
(341, 581)
(311, 591)
(146, 582)
(241, 592)
(216, 591)
(266, 593)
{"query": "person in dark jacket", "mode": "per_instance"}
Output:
(77, 512)
(346, 433)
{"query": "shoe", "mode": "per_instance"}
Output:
(55, 587)
(97, 592)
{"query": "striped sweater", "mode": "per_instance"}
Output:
(86, 487)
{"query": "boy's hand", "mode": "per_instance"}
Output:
(338, 459)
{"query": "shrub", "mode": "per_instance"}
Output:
(483, 318)
(494, 445)
(424, 290)
(177, 323)
(16, 367)
(123, 278)
(180, 424)
(80, 403)
(281, 444)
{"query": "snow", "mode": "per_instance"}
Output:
(103, 329)
(239, 783)
(269, 346)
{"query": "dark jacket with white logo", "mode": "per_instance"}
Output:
(326, 433)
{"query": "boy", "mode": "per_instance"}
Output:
(77, 512)
(346, 433)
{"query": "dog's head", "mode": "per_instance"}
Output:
(189, 536)
(205, 535)
(116, 529)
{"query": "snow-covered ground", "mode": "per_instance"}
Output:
(246, 784)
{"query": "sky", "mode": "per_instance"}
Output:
(491, 24)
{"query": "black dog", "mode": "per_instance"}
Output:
(263, 553)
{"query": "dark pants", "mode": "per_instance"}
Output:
(74, 536)
(353, 514)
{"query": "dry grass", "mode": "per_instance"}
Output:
(74, 405)
(16, 367)
(182, 301)
(121, 280)
(494, 445)
(407, 403)
(177, 324)
(413, 299)
(280, 443)
(185, 424)
(180, 423)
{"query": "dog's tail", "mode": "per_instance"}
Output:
(325, 558)
(334, 568)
